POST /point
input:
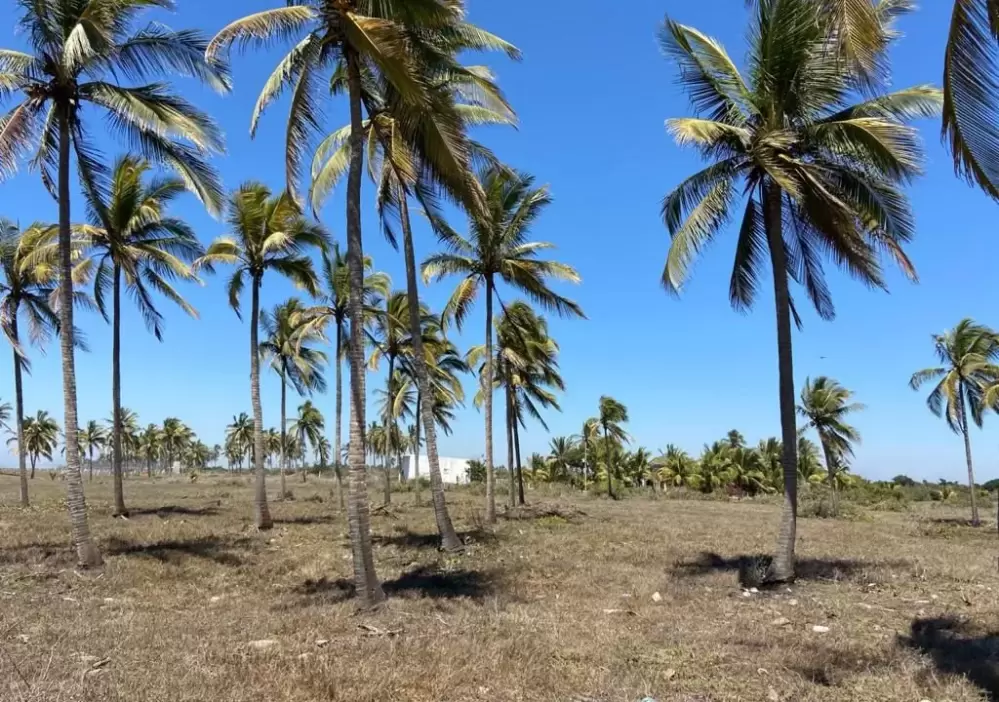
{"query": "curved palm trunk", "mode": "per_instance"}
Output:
(284, 435)
(22, 467)
(508, 396)
(610, 468)
(389, 432)
(86, 551)
(586, 460)
(116, 458)
(487, 389)
(424, 396)
(975, 521)
(369, 590)
(262, 513)
(831, 473)
(520, 468)
(782, 568)
(337, 466)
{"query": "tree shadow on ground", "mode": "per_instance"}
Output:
(958, 648)
(175, 510)
(543, 510)
(753, 569)
(422, 581)
(828, 664)
(405, 538)
(220, 551)
(956, 522)
(39, 553)
(310, 519)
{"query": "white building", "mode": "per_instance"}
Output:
(454, 471)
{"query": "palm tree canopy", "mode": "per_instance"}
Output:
(792, 126)
(825, 404)
(612, 415)
(82, 51)
(267, 233)
(131, 231)
(968, 375)
(499, 248)
(288, 345)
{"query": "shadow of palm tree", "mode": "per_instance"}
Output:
(958, 648)
(308, 519)
(405, 538)
(171, 510)
(423, 581)
(752, 569)
(210, 548)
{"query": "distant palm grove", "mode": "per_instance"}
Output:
(803, 150)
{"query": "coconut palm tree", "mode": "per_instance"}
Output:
(969, 354)
(41, 436)
(174, 438)
(132, 240)
(28, 265)
(820, 175)
(676, 467)
(268, 233)
(333, 309)
(562, 457)
(82, 52)
(239, 437)
(825, 404)
(809, 465)
(498, 250)
(309, 426)
(612, 415)
(587, 441)
(150, 447)
(92, 437)
(288, 349)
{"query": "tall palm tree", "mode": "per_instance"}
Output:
(821, 175)
(81, 51)
(132, 237)
(268, 233)
(498, 250)
(562, 457)
(150, 446)
(239, 436)
(92, 436)
(587, 438)
(969, 354)
(28, 264)
(288, 349)
(825, 404)
(174, 437)
(334, 309)
(612, 415)
(41, 436)
(309, 426)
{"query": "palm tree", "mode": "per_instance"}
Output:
(28, 262)
(93, 436)
(333, 309)
(587, 440)
(309, 426)
(562, 456)
(82, 49)
(612, 415)
(821, 175)
(150, 446)
(826, 404)
(809, 465)
(676, 467)
(132, 236)
(287, 349)
(499, 250)
(41, 436)
(239, 437)
(968, 354)
(268, 233)
(174, 438)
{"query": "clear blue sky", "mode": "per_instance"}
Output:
(592, 94)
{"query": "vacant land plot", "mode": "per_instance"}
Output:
(583, 599)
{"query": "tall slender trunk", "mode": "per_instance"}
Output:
(86, 551)
(416, 446)
(389, 431)
(830, 473)
(782, 568)
(91, 477)
(22, 468)
(586, 458)
(149, 467)
(369, 590)
(284, 432)
(337, 461)
(610, 469)
(424, 395)
(262, 513)
(520, 468)
(487, 389)
(975, 521)
(508, 397)
(116, 428)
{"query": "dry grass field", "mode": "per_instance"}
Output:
(558, 603)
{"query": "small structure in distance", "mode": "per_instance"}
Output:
(454, 471)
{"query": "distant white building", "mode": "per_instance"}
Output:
(454, 471)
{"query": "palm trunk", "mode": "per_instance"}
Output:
(116, 459)
(22, 468)
(86, 551)
(369, 590)
(91, 477)
(520, 468)
(424, 396)
(416, 446)
(607, 460)
(782, 568)
(34, 458)
(831, 473)
(149, 467)
(339, 414)
(509, 445)
(263, 514)
(975, 521)
(586, 458)
(284, 435)
(487, 389)
(389, 431)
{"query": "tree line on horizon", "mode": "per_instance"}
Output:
(806, 140)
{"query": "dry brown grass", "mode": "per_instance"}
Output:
(556, 604)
